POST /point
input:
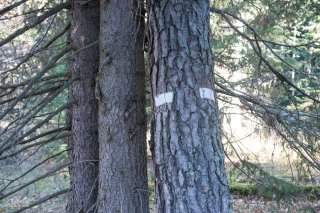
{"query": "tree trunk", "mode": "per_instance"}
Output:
(122, 120)
(186, 142)
(84, 64)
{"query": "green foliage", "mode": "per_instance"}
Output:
(151, 190)
(287, 22)
(244, 189)
(267, 186)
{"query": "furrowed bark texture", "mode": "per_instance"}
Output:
(122, 119)
(84, 65)
(186, 143)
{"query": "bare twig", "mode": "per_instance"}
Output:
(11, 7)
(42, 200)
(40, 19)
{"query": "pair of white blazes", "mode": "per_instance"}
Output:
(167, 97)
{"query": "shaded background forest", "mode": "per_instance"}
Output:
(267, 62)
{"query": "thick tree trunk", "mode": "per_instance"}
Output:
(84, 65)
(186, 143)
(122, 119)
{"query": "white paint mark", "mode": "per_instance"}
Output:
(206, 93)
(163, 98)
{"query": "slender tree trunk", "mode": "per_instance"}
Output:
(186, 143)
(122, 119)
(84, 64)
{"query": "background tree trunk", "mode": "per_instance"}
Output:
(122, 119)
(186, 143)
(84, 121)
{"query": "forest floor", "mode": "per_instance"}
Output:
(241, 204)
(246, 198)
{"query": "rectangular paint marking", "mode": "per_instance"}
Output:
(163, 98)
(206, 93)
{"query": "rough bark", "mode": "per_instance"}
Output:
(122, 119)
(186, 143)
(84, 66)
